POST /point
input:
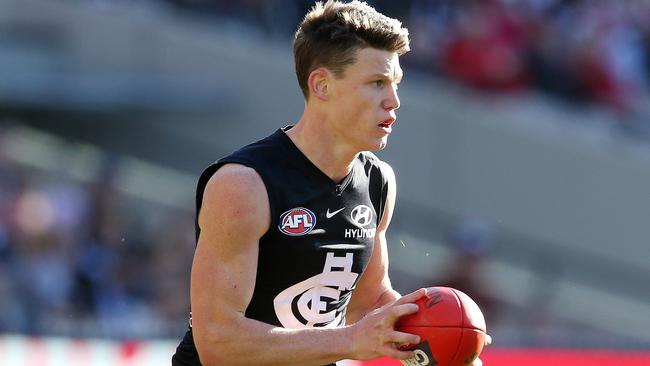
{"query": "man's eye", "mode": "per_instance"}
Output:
(379, 83)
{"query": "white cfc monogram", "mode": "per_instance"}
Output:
(315, 294)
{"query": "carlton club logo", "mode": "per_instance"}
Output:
(319, 301)
(297, 221)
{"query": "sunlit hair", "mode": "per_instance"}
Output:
(331, 34)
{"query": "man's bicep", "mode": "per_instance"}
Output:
(233, 218)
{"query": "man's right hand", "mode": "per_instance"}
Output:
(375, 336)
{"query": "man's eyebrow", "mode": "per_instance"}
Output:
(397, 77)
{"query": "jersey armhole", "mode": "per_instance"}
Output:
(211, 170)
(378, 190)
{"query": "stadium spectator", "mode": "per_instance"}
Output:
(581, 51)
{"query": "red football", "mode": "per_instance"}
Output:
(451, 328)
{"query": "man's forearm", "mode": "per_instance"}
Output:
(251, 342)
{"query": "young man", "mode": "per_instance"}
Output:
(291, 264)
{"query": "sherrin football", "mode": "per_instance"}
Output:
(451, 328)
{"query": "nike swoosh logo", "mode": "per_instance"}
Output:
(329, 214)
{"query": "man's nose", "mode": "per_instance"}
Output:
(392, 100)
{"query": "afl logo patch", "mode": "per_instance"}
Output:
(297, 221)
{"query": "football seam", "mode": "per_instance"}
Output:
(462, 311)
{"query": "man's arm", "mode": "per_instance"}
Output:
(374, 289)
(234, 216)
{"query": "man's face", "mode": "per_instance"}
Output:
(364, 100)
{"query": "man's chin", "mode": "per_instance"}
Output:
(380, 145)
(375, 144)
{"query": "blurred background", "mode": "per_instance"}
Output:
(522, 153)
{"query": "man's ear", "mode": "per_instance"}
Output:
(318, 83)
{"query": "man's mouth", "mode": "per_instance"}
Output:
(387, 122)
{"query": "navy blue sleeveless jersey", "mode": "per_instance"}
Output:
(320, 238)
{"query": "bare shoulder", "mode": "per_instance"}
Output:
(236, 194)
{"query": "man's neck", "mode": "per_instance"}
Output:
(321, 147)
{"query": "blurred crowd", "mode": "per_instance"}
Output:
(578, 50)
(83, 259)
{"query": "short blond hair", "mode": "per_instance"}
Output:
(331, 34)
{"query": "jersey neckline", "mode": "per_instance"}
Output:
(316, 171)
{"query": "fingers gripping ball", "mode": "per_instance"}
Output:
(450, 325)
